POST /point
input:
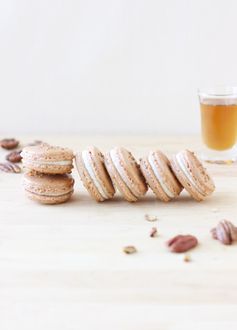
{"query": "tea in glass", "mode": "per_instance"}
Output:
(219, 122)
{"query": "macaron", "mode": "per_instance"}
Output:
(192, 175)
(93, 173)
(159, 176)
(125, 174)
(48, 189)
(44, 158)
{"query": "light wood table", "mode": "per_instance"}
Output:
(62, 267)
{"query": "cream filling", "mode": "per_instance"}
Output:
(159, 177)
(60, 162)
(90, 170)
(50, 194)
(181, 161)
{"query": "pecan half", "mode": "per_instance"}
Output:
(153, 232)
(10, 168)
(225, 232)
(9, 143)
(150, 218)
(14, 156)
(129, 249)
(182, 243)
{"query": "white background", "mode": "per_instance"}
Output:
(106, 66)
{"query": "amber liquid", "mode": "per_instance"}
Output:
(219, 125)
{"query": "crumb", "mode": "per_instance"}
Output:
(153, 232)
(129, 249)
(215, 210)
(186, 258)
(150, 218)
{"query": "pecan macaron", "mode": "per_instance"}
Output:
(48, 189)
(44, 158)
(192, 175)
(125, 174)
(159, 176)
(94, 175)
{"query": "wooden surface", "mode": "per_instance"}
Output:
(62, 267)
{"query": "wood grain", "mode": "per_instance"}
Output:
(62, 267)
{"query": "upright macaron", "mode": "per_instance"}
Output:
(125, 174)
(48, 189)
(44, 158)
(159, 176)
(93, 173)
(192, 175)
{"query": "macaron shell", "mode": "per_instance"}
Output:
(152, 180)
(97, 162)
(86, 179)
(48, 184)
(47, 169)
(118, 181)
(47, 152)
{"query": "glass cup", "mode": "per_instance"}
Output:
(219, 123)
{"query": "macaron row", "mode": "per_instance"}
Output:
(118, 169)
(48, 180)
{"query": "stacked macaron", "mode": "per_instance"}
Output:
(118, 169)
(47, 178)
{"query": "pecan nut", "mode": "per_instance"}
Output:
(129, 249)
(14, 156)
(182, 243)
(225, 232)
(150, 218)
(153, 232)
(10, 168)
(9, 143)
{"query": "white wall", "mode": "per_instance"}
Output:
(112, 65)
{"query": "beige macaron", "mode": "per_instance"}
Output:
(192, 175)
(125, 174)
(159, 176)
(48, 189)
(93, 173)
(48, 159)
